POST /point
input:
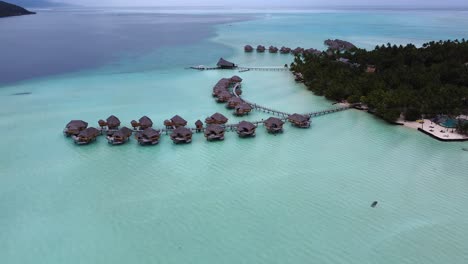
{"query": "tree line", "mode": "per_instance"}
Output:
(393, 80)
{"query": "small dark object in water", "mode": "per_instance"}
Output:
(374, 204)
(465, 149)
(23, 93)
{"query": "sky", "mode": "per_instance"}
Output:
(270, 3)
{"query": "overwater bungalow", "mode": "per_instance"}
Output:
(233, 102)
(285, 50)
(242, 109)
(149, 136)
(299, 120)
(297, 51)
(181, 135)
(312, 51)
(135, 124)
(74, 127)
(224, 64)
(274, 125)
(214, 132)
(102, 123)
(273, 49)
(175, 121)
(223, 97)
(248, 48)
(261, 48)
(113, 122)
(217, 119)
(86, 136)
(199, 126)
(246, 129)
(236, 79)
(120, 137)
(145, 122)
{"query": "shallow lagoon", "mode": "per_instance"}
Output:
(299, 197)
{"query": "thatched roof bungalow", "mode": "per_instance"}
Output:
(199, 125)
(113, 122)
(217, 119)
(299, 120)
(145, 122)
(246, 129)
(214, 132)
(274, 125)
(285, 50)
(74, 127)
(273, 49)
(120, 137)
(181, 135)
(312, 51)
(175, 121)
(236, 79)
(233, 102)
(261, 48)
(223, 97)
(248, 48)
(149, 136)
(242, 109)
(224, 64)
(297, 51)
(86, 136)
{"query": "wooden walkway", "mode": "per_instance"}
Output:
(242, 68)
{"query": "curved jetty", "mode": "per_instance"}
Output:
(214, 132)
(181, 135)
(246, 129)
(217, 124)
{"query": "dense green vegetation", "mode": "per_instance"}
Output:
(427, 81)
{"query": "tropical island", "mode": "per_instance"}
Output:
(8, 10)
(394, 82)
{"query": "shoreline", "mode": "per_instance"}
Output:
(435, 131)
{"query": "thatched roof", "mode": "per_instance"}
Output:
(224, 94)
(219, 118)
(244, 125)
(90, 132)
(248, 48)
(214, 129)
(113, 121)
(312, 51)
(145, 122)
(181, 131)
(224, 63)
(199, 123)
(298, 118)
(178, 121)
(78, 124)
(285, 49)
(244, 107)
(273, 122)
(150, 132)
(236, 79)
(124, 132)
(235, 100)
(261, 48)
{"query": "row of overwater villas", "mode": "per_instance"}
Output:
(179, 133)
(282, 50)
(223, 95)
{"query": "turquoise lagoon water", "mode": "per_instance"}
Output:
(300, 197)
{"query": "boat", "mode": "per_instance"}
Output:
(374, 204)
